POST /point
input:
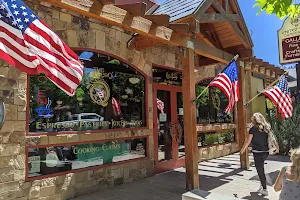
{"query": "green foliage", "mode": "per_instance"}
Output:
(281, 8)
(218, 137)
(211, 139)
(287, 132)
(204, 97)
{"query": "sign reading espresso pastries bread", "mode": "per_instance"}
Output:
(289, 41)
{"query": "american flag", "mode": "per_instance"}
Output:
(280, 96)
(227, 81)
(28, 44)
(160, 105)
(100, 93)
(116, 107)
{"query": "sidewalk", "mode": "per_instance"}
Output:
(221, 175)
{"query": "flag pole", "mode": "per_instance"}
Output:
(205, 89)
(271, 85)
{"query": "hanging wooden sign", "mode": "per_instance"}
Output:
(289, 41)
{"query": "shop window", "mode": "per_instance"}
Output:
(211, 105)
(111, 96)
(215, 138)
(58, 159)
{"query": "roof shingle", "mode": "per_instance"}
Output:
(178, 9)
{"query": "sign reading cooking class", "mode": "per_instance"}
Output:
(289, 41)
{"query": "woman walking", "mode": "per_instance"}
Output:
(258, 137)
(288, 181)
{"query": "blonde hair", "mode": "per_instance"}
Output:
(261, 123)
(295, 158)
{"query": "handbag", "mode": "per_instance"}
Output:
(272, 143)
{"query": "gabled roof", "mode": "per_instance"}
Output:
(178, 9)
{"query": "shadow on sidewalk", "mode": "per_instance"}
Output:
(271, 178)
(255, 196)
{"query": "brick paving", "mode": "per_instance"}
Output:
(222, 175)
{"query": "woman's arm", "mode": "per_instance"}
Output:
(246, 143)
(278, 183)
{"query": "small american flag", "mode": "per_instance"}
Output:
(28, 44)
(116, 107)
(160, 105)
(280, 96)
(227, 81)
(100, 93)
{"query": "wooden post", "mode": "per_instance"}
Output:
(242, 125)
(190, 134)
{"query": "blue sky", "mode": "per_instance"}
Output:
(263, 29)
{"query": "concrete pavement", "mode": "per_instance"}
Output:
(221, 175)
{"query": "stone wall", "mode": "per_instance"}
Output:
(215, 151)
(77, 32)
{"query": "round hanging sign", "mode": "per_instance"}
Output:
(2, 113)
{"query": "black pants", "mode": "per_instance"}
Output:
(259, 161)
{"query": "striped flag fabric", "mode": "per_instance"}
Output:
(28, 44)
(227, 82)
(116, 107)
(160, 105)
(280, 95)
(100, 93)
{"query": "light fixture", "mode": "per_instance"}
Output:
(128, 91)
(134, 80)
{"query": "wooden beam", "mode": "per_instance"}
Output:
(194, 26)
(118, 17)
(234, 26)
(136, 9)
(189, 108)
(96, 8)
(233, 6)
(217, 17)
(106, 2)
(160, 20)
(211, 52)
(226, 5)
(143, 42)
(242, 125)
(209, 32)
(180, 28)
(202, 9)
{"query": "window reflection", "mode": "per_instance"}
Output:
(111, 95)
(55, 159)
(211, 105)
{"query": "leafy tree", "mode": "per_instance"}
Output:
(281, 8)
(287, 132)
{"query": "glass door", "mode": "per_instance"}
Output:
(168, 127)
(163, 125)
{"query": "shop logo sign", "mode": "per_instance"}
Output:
(98, 88)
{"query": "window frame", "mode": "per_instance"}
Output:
(146, 126)
(86, 168)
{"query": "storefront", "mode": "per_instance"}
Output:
(126, 120)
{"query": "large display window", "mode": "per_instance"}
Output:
(50, 160)
(211, 105)
(112, 95)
